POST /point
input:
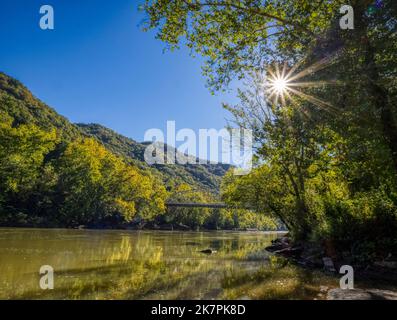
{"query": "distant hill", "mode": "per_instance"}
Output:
(19, 103)
(206, 177)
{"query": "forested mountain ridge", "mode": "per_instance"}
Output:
(20, 104)
(201, 176)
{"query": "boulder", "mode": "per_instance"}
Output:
(275, 247)
(361, 294)
(278, 244)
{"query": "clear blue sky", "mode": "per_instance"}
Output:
(97, 66)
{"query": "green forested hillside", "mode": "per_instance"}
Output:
(19, 103)
(57, 174)
(52, 174)
(201, 177)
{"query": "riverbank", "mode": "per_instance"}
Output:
(149, 226)
(373, 279)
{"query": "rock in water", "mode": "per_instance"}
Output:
(208, 251)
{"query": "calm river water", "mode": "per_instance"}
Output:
(102, 264)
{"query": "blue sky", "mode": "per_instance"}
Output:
(97, 66)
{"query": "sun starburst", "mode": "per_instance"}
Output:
(282, 84)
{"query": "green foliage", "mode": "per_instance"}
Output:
(96, 186)
(204, 177)
(236, 37)
(22, 153)
(54, 173)
(18, 103)
(51, 175)
(86, 184)
(327, 158)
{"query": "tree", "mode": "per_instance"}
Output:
(22, 157)
(328, 147)
(98, 187)
(245, 36)
(237, 36)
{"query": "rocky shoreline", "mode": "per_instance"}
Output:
(376, 277)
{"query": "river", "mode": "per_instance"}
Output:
(116, 264)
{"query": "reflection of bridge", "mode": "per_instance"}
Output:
(196, 205)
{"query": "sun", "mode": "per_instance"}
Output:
(280, 85)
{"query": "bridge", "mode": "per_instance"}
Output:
(197, 205)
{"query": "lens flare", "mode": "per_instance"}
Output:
(281, 84)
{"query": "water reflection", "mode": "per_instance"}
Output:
(125, 265)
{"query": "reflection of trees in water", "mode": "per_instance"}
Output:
(147, 266)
